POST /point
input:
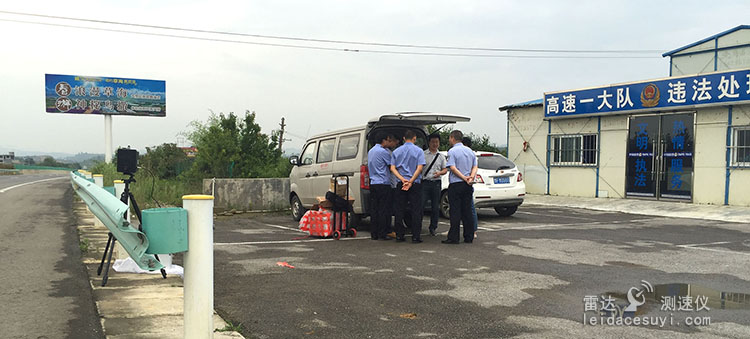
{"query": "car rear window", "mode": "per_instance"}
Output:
(494, 162)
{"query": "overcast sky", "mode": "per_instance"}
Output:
(320, 90)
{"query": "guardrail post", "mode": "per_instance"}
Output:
(99, 180)
(199, 267)
(120, 252)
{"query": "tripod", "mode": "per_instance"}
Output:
(126, 195)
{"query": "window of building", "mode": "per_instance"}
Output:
(325, 150)
(348, 147)
(307, 155)
(573, 150)
(741, 147)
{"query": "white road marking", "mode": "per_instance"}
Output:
(282, 241)
(29, 183)
(284, 227)
(555, 215)
(714, 250)
(706, 244)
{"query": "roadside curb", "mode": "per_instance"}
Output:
(133, 305)
(734, 214)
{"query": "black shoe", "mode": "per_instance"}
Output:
(386, 238)
(448, 241)
(468, 241)
(416, 241)
(374, 237)
(433, 233)
(400, 239)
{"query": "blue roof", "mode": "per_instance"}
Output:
(522, 104)
(706, 39)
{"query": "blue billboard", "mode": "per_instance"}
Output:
(729, 87)
(104, 95)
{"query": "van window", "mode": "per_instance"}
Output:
(307, 155)
(325, 151)
(348, 147)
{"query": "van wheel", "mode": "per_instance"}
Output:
(506, 211)
(297, 209)
(445, 206)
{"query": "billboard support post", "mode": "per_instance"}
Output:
(108, 138)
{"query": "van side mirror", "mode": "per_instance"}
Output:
(294, 160)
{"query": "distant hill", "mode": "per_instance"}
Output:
(83, 157)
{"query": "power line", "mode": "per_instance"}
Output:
(366, 43)
(372, 51)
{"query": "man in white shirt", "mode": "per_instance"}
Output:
(431, 182)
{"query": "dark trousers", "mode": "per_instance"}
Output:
(460, 196)
(380, 210)
(432, 193)
(413, 197)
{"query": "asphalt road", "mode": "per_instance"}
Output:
(525, 276)
(45, 291)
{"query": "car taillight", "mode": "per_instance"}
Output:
(520, 177)
(479, 179)
(364, 177)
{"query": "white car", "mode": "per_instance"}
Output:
(498, 184)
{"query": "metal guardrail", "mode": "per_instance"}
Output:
(111, 212)
(34, 167)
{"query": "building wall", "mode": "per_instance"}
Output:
(739, 194)
(710, 155)
(527, 124)
(700, 58)
(573, 181)
(614, 136)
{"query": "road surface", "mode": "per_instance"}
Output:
(45, 291)
(527, 276)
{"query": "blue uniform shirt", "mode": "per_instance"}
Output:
(406, 159)
(378, 164)
(463, 158)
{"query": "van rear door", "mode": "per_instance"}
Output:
(421, 118)
(413, 119)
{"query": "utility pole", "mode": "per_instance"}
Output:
(281, 134)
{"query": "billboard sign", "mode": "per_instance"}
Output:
(104, 95)
(718, 88)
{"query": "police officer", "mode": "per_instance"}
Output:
(378, 164)
(432, 183)
(406, 164)
(463, 168)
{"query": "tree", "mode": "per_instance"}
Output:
(228, 147)
(478, 142)
(164, 161)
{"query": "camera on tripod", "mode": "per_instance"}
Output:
(127, 161)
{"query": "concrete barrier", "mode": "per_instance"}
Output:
(267, 194)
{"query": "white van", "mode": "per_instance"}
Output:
(345, 152)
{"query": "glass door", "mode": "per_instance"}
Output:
(676, 170)
(641, 165)
(660, 157)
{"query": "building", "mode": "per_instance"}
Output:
(685, 137)
(7, 158)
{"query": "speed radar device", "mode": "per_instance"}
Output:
(127, 161)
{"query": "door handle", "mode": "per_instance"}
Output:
(654, 158)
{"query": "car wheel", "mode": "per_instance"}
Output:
(445, 206)
(506, 211)
(297, 209)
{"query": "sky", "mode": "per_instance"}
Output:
(322, 90)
